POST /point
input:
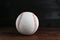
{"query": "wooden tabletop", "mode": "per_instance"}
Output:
(10, 33)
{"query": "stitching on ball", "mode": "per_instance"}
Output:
(34, 23)
(19, 21)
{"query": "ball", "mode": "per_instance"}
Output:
(27, 23)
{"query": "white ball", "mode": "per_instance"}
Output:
(27, 23)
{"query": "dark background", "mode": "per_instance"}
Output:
(48, 11)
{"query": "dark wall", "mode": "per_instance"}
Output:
(48, 11)
(7, 12)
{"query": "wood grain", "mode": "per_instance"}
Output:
(10, 33)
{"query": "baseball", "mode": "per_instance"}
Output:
(27, 23)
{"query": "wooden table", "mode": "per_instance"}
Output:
(10, 33)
